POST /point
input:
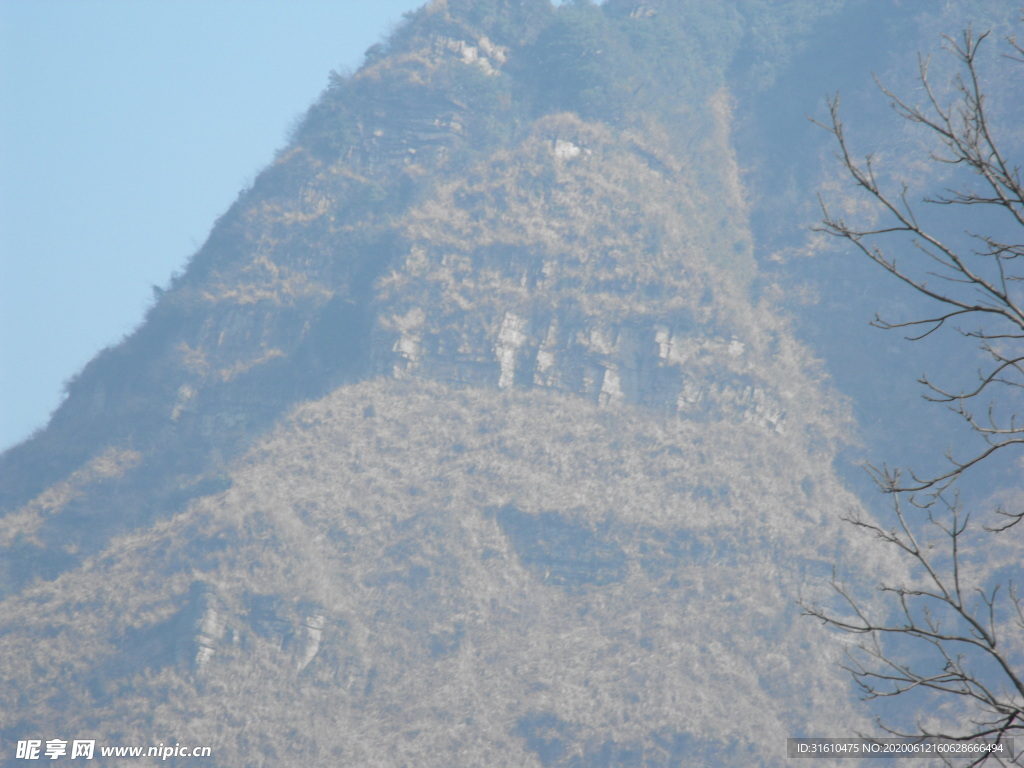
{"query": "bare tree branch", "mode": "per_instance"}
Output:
(959, 629)
(980, 285)
(952, 631)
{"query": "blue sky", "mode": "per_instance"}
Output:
(126, 128)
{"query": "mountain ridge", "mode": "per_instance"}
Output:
(461, 440)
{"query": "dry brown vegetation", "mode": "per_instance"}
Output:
(379, 507)
(461, 441)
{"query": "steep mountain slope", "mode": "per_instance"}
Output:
(461, 441)
(407, 574)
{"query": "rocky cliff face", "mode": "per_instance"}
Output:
(462, 440)
(578, 262)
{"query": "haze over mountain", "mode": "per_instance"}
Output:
(475, 434)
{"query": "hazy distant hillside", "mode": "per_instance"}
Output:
(464, 440)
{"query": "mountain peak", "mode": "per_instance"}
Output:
(462, 438)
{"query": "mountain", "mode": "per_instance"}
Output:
(469, 437)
